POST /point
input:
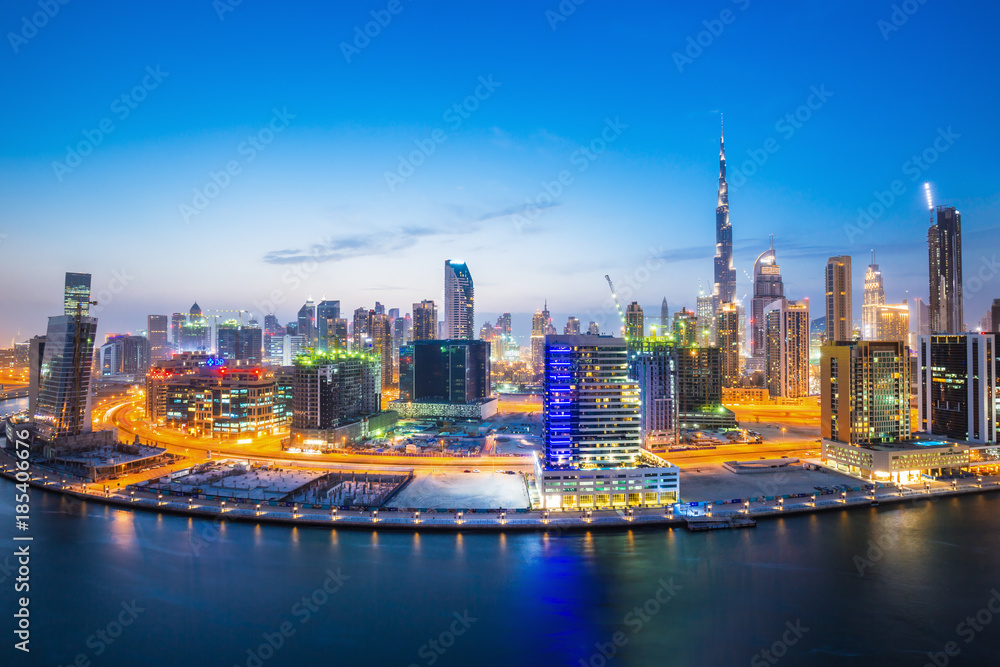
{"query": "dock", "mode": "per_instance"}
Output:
(707, 523)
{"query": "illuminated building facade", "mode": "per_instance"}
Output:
(635, 322)
(727, 338)
(425, 320)
(786, 326)
(892, 322)
(126, 357)
(767, 288)
(839, 322)
(157, 327)
(944, 251)
(873, 299)
(445, 378)
(459, 301)
(957, 386)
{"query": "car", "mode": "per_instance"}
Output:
(466, 471)
(476, 470)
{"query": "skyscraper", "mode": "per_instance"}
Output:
(944, 250)
(839, 324)
(874, 297)
(767, 288)
(727, 337)
(892, 322)
(381, 335)
(156, 329)
(786, 327)
(957, 386)
(664, 317)
(572, 327)
(77, 294)
(538, 323)
(725, 275)
(635, 322)
(995, 316)
(685, 329)
(424, 320)
(459, 301)
(327, 312)
(307, 321)
(703, 329)
(176, 322)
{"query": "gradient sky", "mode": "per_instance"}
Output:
(319, 188)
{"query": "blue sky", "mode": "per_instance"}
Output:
(313, 213)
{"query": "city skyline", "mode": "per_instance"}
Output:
(658, 170)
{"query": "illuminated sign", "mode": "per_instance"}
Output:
(215, 361)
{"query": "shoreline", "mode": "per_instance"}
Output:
(480, 521)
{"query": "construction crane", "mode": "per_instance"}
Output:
(621, 311)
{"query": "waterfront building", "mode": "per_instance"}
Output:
(592, 431)
(459, 301)
(944, 252)
(958, 387)
(839, 307)
(786, 325)
(445, 378)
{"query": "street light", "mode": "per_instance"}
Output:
(781, 504)
(843, 496)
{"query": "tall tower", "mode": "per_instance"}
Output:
(874, 297)
(944, 250)
(459, 301)
(839, 323)
(727, 337)
(664, 316)
(767, 288)
(424, 320)
(725, 275)
(635, 322)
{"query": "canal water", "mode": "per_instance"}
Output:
(874, 586)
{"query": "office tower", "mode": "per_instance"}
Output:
(635, 323)
(306, 320)
(76, 294)
(653, 364)
(401, 331)
(227, 339)
(995, 316)
(503, 323)
(664, 317)
(455, 372)
(251, 346)
(874, 297)
(425, 320)
(156, 329)
(62, 408)
(724, 290)
(36, 353)
(291, 328)
(839, 325)
(291, 347)
(594, 329)
(591, 410)
(538, 323)
(699, 383)
(381, 336)
(767, 288)
(326, 313)
(125, 356)
(957, 387)
(703, 330)
(572, 327)
(685, 330)
(332, 389)
(944, 250)
(727, 338)
(459, 301)
(865, 392)
(919, 321)
(195, 334)
(176, 322)
(892, 322)
(786, 327)
(486, 331)
(361, 328)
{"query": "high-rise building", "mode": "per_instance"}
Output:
(242, 345)
(874, 297)
(503, 324)
(381, 336)
(62, 383)
(156, 330)
(958, 386)
(307, 321)
(995, 316)
(331, 390)
(635, 322)
(445, 371)
(538, 325)
(592, 422)
(125, 356)
(653, 364)
(292, 345)
(685, 330)
(892, 322)
(361, 329)
(786, 327)
(76, 294)
(724, 290)
(459, 301)
(327, 313)
(176, 322)
(839, 323)
(664, 317)
(767, 288)
(727, 337)
(865, 392)
(703, 329)
(944, 250)
(920, 321)
(195, 334)
(425, 320)
(572, 327)
(594, 329)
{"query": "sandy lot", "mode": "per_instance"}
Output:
(459, 490)
(715, 483)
